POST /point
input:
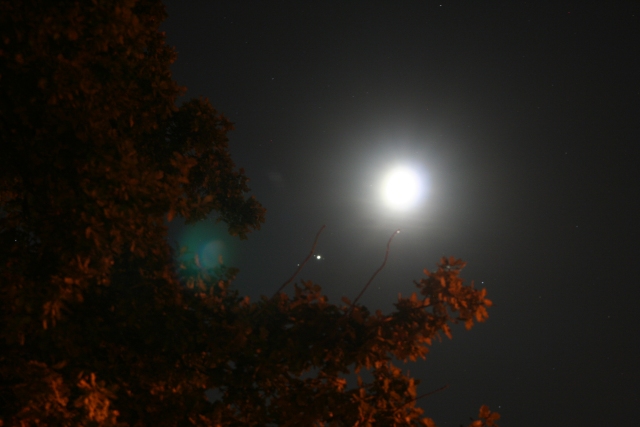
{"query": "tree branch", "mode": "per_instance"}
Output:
(386, 255)
(313, 248)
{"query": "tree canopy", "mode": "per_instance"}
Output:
(101, 325)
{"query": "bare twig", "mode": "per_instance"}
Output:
(386, 255)
(313, 248)
(423, 395)
(431, 392)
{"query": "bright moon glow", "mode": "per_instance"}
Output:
(401, 188)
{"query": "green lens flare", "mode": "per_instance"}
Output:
(208, 244)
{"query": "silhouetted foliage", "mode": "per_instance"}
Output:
(100, 326)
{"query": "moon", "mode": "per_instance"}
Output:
(401, 188)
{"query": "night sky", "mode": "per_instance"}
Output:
(523, 121)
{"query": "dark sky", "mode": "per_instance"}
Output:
(524, 119)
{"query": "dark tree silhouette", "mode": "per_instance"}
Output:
(100, 326)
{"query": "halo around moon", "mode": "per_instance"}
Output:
(401, 188)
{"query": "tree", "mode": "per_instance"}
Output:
(101, 326)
